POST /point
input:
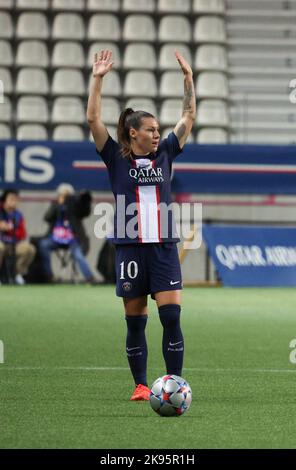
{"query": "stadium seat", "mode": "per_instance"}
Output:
(110, 111)
(170, 112)
(168, 130)
(112, 131)
(203, 7)
(31, 4)
(32, 54)
(32, 81)
(212, 136)
(102, 5)
(167, 59)
(68, 133)
(68, 110)
(73, 5)
(6, 28)
(246, 136)
(174, 6)
(139, 56)
(210, 58)
(98, 46)
(111, 84)
(139, 6)
(5, 77)
(6, 4)
(32, 109)
(249, 113)
(252, 85)
(68, 54)
(139, 28)
(174, 28)
(209, 29)
(31, 132)
(284, 73)
(68, 82)
(32, 26)
(142, 104)
(171, 84)
(6, 112)
(6, 58)
(5, 132)
(260, 30)
(103, 27)
(140, 83)
(212, 113)
(255, 58)
(212, 85)
(68, 26)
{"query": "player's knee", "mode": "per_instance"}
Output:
(2, 248)
(169, 314)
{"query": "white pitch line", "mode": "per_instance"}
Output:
(190, 369)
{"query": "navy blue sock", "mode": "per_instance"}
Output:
(172, 340)
(136, 347)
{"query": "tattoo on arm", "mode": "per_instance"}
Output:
(180, 131)
(189, 98)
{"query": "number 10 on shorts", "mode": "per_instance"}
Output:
(131, 270)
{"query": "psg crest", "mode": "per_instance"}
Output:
(127, 286)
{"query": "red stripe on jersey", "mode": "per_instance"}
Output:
(134, 163)
(158, 202)
(139, 215)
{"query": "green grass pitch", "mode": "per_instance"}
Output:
(65, 383)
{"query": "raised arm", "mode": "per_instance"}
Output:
(184, 126)
(101, 66)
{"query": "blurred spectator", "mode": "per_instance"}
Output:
(66, 230)
(13, 235)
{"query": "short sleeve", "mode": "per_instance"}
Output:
(171, 144)
(109, 151)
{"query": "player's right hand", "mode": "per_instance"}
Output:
(102, 63)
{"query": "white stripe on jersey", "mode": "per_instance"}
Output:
(148, 214)
(148, 217)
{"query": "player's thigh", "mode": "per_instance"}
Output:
(165, 274)
(135, 306)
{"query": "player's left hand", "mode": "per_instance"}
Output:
(186, 69)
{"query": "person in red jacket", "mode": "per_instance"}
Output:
(13, 235)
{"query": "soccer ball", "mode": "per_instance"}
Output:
(170, 395)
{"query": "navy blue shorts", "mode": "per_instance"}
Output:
(143, 269)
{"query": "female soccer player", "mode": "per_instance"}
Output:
(147, 262)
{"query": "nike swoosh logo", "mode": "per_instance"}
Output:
(175, 282)
(131, 349)
(174, 344)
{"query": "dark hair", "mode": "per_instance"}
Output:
(6, 193)
(127, 119)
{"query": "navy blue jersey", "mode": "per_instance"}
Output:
(142, 191)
